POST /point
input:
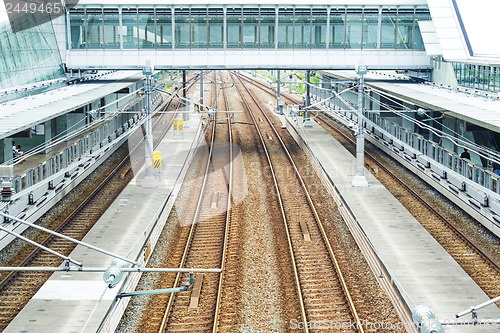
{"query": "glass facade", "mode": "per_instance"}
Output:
(318, 25)
(30, 55)
(215, 28)
(354, 28)
(478, 76)
(249, 27)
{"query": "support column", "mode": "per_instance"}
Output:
(184, 86)
(360, 179)
(6, 152)
(307, 113)
(149, 180)
(201, 90)
(47, 135)
(278, 91)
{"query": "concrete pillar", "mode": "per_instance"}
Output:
(47, 135)
(6, 150)
(278, 87)
(201, 90)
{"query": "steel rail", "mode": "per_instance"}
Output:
(460, 234)
(5, 281)
(282, 209)
(318, 220)
(228, 211)
(363, 241)
(187, 247)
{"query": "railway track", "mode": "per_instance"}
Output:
(482, 268)
(17, 288)
(478, 265)
(322, 291)
(205, 239)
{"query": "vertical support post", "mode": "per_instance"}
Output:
(201, 90)
(307, 118)
(360, 179)
(278, 89)
(149, 180)
(184, 87)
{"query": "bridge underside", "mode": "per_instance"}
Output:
(246, 59)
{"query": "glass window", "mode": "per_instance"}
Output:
(233, 19)
(302, 28)
(337, 28)
(388, 32)
(370, 29)
(77, 28)
(182, 28)
(420, 15)
(216, 28)
(199, 29)
(497, 79)
(146, 19)
(285, 28)
(94, 29)
(129, 28)
(405, 29)
(163, 28)
(318, 23)
(267, 26)
(111, 29)
(250, 27)
(354, 28)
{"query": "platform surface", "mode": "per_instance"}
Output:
(68, 300)
(428, 274)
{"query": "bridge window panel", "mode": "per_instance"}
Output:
(111, 28)
(147, 33)
(77, 28)
(354, 28)
(370, 28)
(233, 19)
(94, 29)
(405, 29)
(267, 27)
(302, 28)
(250, 27)
(318, 23)
(199, 28)
(388, 30)
(337, 28)
(163, 28)
(182, 28)
(420, 15)
(215, 28)
(129, 28)
(285, 28)
(497, 79)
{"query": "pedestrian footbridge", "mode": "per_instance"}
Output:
(271, 35)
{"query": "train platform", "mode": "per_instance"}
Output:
(78, 302)
(472, 107)
(425, 271)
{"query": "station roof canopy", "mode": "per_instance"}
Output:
(478, 110)
(18, 115)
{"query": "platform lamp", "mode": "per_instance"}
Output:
(360, 179)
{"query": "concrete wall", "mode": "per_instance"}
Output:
(444, 73)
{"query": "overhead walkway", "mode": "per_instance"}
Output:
(237, 36)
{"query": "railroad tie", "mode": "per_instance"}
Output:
(124, 173)
(195, 293)
(215, 200)
(305, 230)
